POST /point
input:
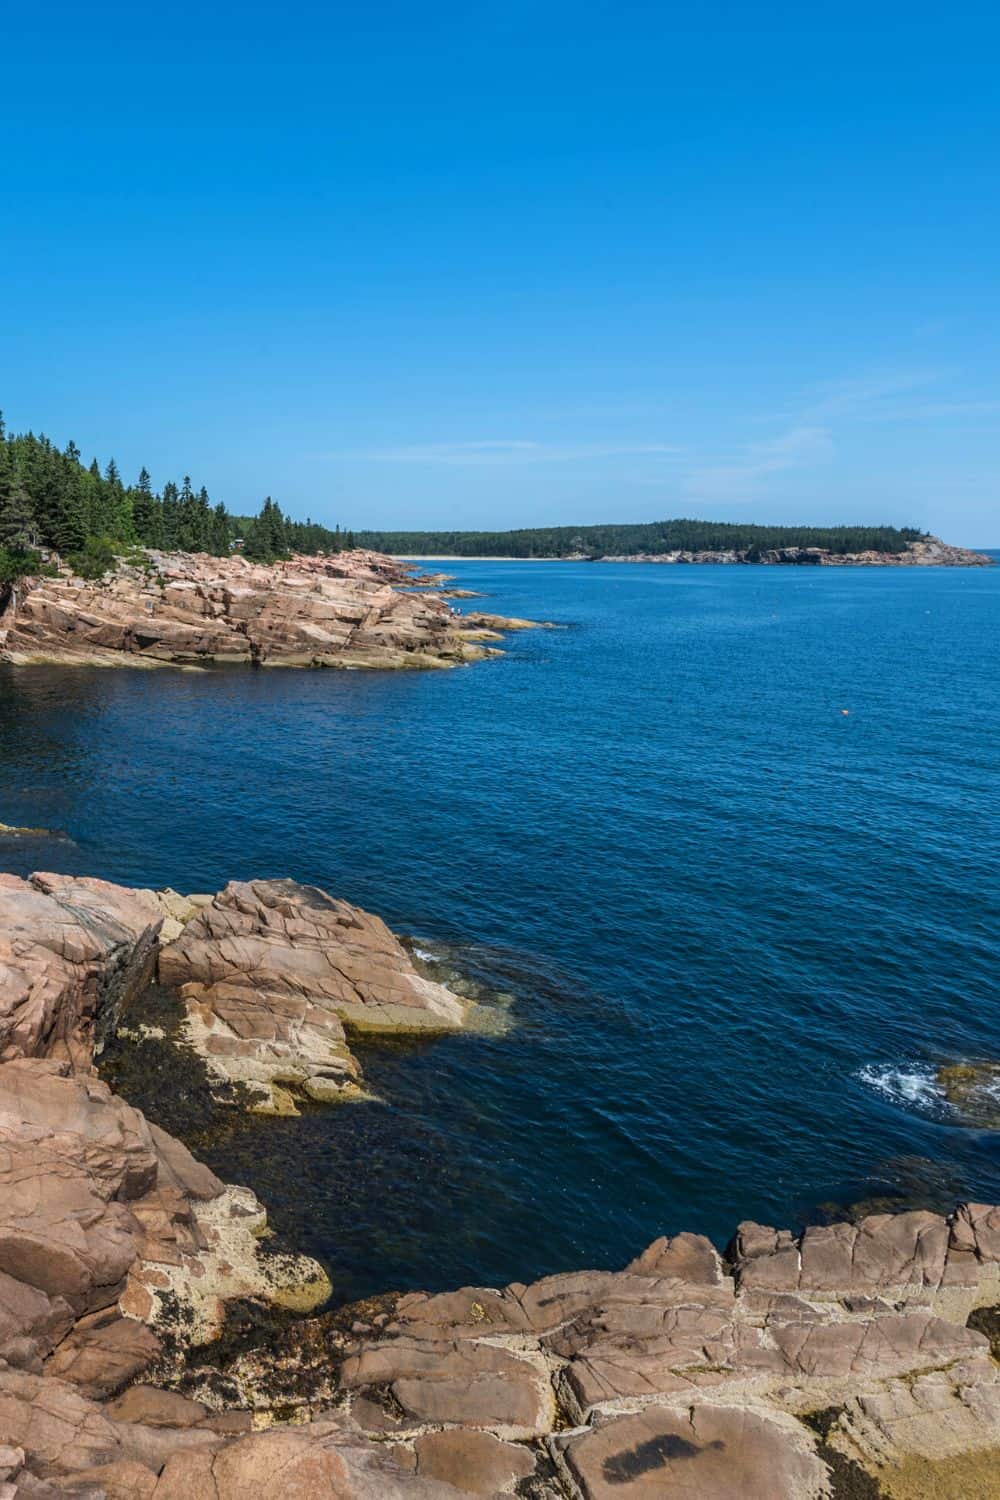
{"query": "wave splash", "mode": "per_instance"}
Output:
(914, 1085)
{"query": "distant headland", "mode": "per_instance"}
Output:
(686, 541)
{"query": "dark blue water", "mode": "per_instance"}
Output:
(741, 927)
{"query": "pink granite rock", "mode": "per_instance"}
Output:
(341, 611)
(708, 1452)
(271, 971)
(318, 1462)
(69, 949)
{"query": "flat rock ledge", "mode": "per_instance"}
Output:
(852, 1360)
(348, 611)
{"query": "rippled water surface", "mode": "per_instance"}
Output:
(740, 926)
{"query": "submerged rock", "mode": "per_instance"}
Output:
(183, 608)
(15, 831)
(973, 1089)
(497, 625)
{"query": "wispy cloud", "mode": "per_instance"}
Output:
(492, 451)
(861, 393)
(802, 447)
(897, 394)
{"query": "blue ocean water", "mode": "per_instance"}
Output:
(729, 839)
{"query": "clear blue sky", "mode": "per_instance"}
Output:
(469, 265)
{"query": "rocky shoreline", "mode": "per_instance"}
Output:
(928, 552)
(351, 610)
(153, 1346)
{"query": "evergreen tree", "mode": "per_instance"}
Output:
(171, 516)
(147, 512)
(219, 537)
(58, 501)
(18, 532)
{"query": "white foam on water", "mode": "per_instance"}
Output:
(911, 1085)
(424, 953)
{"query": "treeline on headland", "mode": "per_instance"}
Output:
(51, 500)
(653, 537)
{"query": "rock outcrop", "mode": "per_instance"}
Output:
(850, 1361)
(840, 1357)
(270, 972)
(272, 977)
(115, 1243)
(854, 1359)
(191, 609)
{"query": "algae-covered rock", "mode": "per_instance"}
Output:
(973, 1089)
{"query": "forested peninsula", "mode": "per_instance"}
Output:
(687, 541)
(651, 538)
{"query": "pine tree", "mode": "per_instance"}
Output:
(219, 541)
(171, 515)
(18, 532)
(147, 512)
(69, 527)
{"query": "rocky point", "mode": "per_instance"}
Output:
(849, 1360)
(349, 610)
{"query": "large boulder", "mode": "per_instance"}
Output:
(949, 1265)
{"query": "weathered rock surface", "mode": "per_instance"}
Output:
(685, 1374)
(182, 608)
(708, 1451)
(105, 1220)
(271, 971)
(70, 949)
(476, 1463)
(852, 1359)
